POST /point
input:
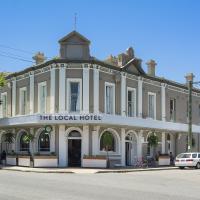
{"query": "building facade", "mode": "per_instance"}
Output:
(83, 99)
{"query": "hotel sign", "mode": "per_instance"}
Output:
(64, 117)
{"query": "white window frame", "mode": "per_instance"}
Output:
(44, 83)
(20, 100)
(74, 80)
(135, 100)
(153, 94)
(2, 113)
(112, 85)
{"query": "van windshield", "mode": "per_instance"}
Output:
(184, 155)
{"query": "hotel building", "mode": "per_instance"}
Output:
(83, 99)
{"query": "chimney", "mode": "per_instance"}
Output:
(189, 77)
(39, 58)
(151, 64)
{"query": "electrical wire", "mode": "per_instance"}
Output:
(16, 58)
(16, 49)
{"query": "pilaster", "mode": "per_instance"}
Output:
(14, 97)
(163, 101)
(62, 91)
(123, 150)
(95, 140)
(96, 89)
(62, 160)
(52, 90)
(31, 100)
(140, 85)
(163, 143)
(86, 79)
(85, 140)
(123, 94)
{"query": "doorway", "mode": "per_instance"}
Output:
(74, 149)
(128, 153)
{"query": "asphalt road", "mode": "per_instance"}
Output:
(157, 185)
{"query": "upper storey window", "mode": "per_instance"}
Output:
(4, 104)
(109, 98)
(42, 97)
(131, 102)
(23, 101)
(152, 105)
(74, 95)
(172, 109)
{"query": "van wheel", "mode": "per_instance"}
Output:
(198, 166)
(181, 167)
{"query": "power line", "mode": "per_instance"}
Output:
(11, 54)
(16, 49)
(16, 58)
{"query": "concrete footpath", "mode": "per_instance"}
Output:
(82, 170)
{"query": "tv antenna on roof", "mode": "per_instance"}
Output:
(75, 18)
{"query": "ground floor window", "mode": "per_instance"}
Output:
(107, 142)
(44, 142)
(24, 146)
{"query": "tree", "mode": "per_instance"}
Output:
(9, 138)
(153, 142)
(28, 139)
(2, 79)
(107, 140)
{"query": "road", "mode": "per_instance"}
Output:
(157, 185)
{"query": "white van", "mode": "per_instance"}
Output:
(188, 160)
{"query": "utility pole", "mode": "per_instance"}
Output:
(189, 78)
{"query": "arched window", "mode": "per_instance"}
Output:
(44, 142)
(107, 142)
(24, 146)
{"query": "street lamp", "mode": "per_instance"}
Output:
(189, 77)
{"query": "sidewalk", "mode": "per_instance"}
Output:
(82, 170)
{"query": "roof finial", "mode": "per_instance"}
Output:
(75, 14)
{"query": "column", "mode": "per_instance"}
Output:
(31, 145)
(163, 143)
(13, 144)
(62, 160)
(31, 100)
(140, 83)
(96, 89)
(123, 94)
(52, 90)
(52, 140)
(62, 90)
(95, 141)
(139, 143)
(172, 143)
(86, 79)
(14, 97)
(123, 151)
(163, 101)
(85, 141)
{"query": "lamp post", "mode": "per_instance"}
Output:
(189, 78)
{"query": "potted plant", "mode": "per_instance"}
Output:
(11, 158)
(98, 161)
(45, 160)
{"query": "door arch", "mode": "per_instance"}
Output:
(74, 148)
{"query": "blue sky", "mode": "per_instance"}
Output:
(167, 31)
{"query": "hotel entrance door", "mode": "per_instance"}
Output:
(74, 152)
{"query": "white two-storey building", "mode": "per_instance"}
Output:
(83, 99)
